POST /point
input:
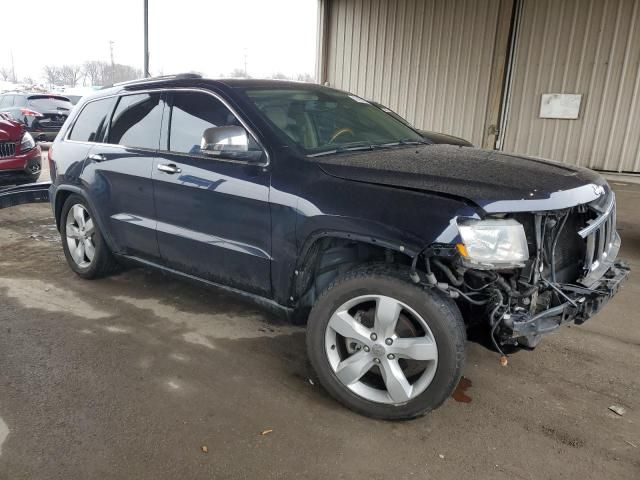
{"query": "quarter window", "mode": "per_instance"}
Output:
(92, 122)
(196, 119)
(136, 121)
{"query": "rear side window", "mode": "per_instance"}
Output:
(136, 121)
(93, 120)
(46, 103)
(6, 101)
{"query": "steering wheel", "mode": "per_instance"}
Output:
(339, 132)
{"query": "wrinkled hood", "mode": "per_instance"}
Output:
(495, 181)
(10, 131)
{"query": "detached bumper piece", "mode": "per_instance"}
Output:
(20, 195)
(581, 304)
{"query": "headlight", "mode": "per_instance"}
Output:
(27, 142)
(499, 243)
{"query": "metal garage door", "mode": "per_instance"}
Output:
(588, 47)
(431, 61)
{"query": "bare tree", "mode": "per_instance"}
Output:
(52, 74)
(70, 74)
(93, 71)
(305, 77)
(279, 76)
(28, 81)
(238, 73)
(5, 73)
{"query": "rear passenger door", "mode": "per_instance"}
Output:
(118, 173)
(213, 212)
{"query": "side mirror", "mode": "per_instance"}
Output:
(224, 139)
(230, 142)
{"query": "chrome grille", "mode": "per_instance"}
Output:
(7, 149)
(601, 237)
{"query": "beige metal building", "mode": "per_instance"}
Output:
(553, 78)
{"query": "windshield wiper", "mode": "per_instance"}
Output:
(347, 147)
(404, 141)
(355, 146)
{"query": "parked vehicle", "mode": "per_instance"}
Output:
(20, 157)
(433, 137)
(315, 203)
(41, 114)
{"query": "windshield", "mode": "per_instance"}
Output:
(42, 102)
(329, 121)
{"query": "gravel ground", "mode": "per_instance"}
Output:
(131, 376)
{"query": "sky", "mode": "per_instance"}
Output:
(207, 36)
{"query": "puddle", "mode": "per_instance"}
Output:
(33, 293)
(203, 326)
(459, 394)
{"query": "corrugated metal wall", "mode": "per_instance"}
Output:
(429, 60)
(590, 47)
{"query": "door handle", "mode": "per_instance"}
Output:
(97, 157)
(168, 168)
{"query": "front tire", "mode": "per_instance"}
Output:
(84, 247)
(385, 347)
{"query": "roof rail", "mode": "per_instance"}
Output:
(177, 76)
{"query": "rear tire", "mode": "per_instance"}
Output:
(84, 247)
(381, 367)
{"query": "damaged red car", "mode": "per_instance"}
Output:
(20, 157)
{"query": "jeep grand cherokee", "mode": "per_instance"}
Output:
(315, 203)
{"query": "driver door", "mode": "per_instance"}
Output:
(213, 217)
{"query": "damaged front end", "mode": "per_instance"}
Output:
(568, 273)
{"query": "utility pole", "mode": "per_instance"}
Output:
(13, 68)
(245, 63)
(111, 42)
(146, 38)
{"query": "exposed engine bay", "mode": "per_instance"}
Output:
(571, 273)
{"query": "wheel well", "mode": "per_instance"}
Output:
(61, 197)
(329, 257)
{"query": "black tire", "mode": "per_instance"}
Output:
(440, 313)
(103, 262)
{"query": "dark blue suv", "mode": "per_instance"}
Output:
(316, 203)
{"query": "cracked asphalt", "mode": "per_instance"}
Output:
(130, 376)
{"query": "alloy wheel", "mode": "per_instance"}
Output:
(80, 231)
(381, 349)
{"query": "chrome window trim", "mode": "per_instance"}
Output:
(166, 90)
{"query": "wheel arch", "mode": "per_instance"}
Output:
(326, 254)
(62, 193)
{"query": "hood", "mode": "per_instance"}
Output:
(495, 181)
(10, 131)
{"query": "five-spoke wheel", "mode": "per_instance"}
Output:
(384, 346)
(84, 246)
(381, 349)
(79, 232)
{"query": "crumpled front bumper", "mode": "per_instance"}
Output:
(581, 303)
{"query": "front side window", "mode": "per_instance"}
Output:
(136, 121)
(202, 125)
(323, 120)
(92, 122)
